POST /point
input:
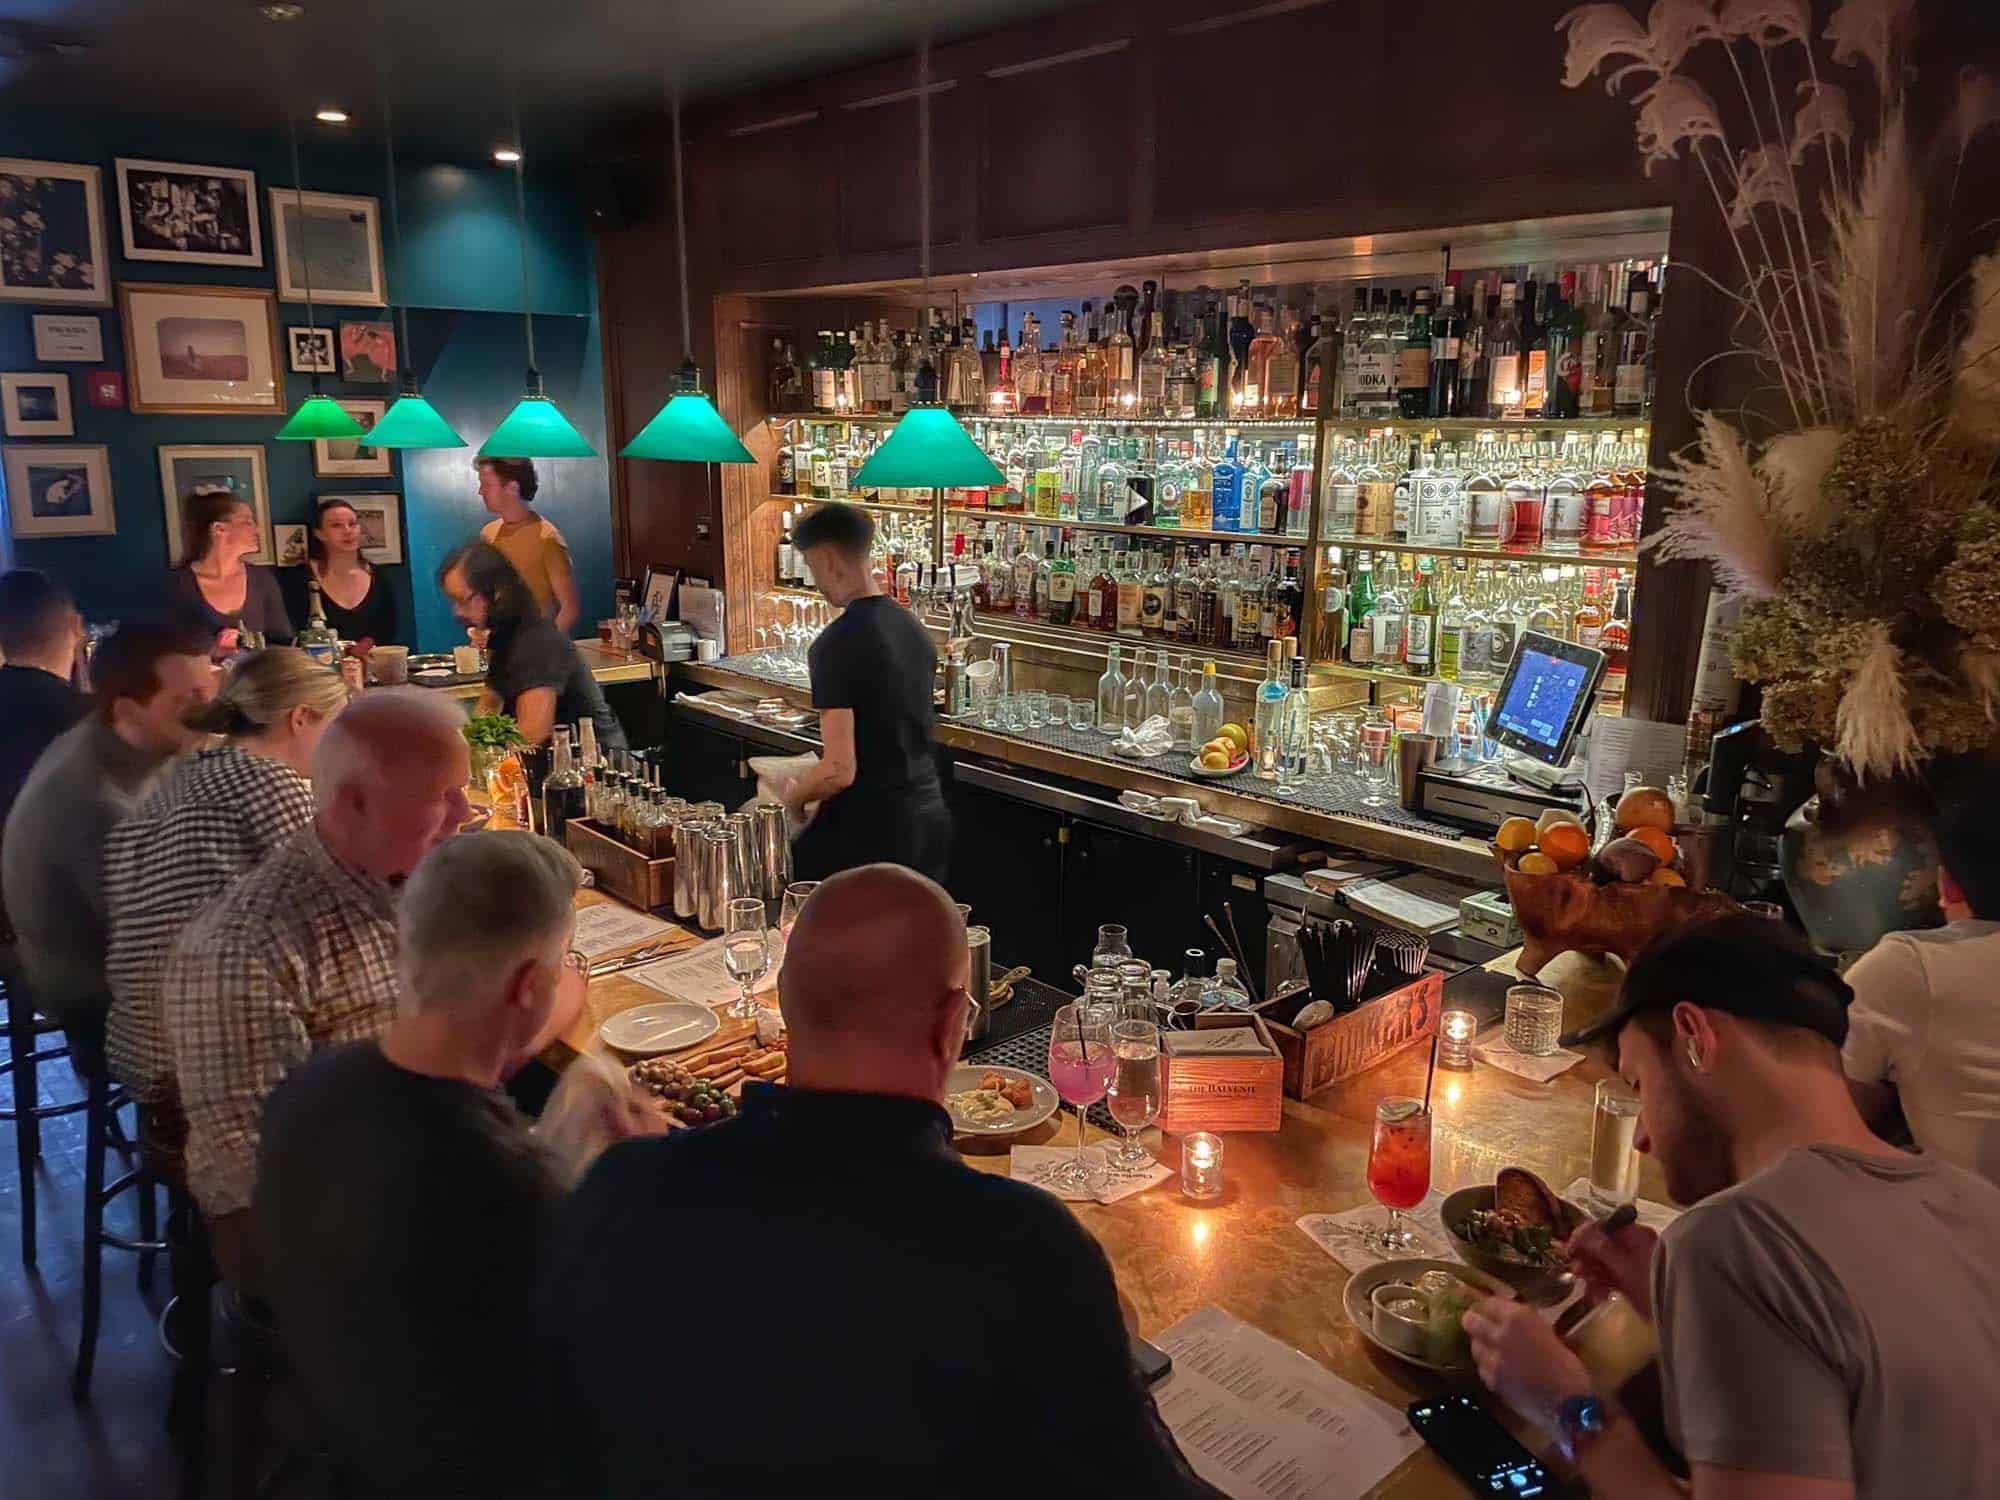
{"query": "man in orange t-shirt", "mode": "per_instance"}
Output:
(534, 546)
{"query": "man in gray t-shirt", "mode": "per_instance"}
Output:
(1828, 1308)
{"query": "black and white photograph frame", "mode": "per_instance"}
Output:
(236, 467)
(68, 338)
(187, 214)
(344, 238)
(59, 491)
(381, 518)
(345, 458)
(36, 404)
(312, 350)
(289, 543)
(52, 245)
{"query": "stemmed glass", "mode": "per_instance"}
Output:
(1080, 1067)
(1134, 1095)
(746, 950)
(1399, 1165)
(795, 898)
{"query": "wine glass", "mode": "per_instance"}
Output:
(1134, 1095)
(795, 898)
(1080, 1067)
(1399, 1165)
(746, 950)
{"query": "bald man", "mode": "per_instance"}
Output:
(888, 1318)
(299, 953)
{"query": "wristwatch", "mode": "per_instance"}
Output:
(1580, 1421)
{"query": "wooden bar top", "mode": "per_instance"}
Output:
(1244, 1252)
(606, 663)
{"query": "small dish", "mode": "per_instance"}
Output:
(1212, 773)
(1358, 1299)
(662, 1026)
(1399, 1318)
(1533, 1283)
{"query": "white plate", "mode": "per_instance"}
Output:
(1044, 1102)
(662, 1026)
(1361, 1312)
(1209, 773)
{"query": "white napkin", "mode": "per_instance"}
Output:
(1655, 1216)
(1108, 1180)
(1493, 1048)
(1154, 737)
(1343, 1235)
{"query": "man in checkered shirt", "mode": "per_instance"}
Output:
(300, 952)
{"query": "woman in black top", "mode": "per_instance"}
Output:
(533, 671)
(360, 605)
(214, 590)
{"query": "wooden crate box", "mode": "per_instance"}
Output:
(1354, 1042)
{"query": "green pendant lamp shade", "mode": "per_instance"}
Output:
(928, 450)
(536, 429)
(319, 417)
(688, 429)
(412, 423)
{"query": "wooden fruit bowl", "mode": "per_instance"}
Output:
(1570, 912)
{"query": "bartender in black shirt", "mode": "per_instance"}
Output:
(872, 672)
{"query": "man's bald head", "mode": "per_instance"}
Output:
(390, 776)
(873, 985)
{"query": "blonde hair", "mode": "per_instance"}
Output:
(265, 686)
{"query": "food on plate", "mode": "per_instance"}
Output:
(1524, 1225)
(1016, 1091)
(1516, 835)
(1213, 759)
(1237, 735)
(980, 1106)
(1645, 807)
(1565, 843)
(1439, 1301)
(684, 1098)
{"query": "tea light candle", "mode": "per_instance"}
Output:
(1201, 1165)
(1455, 1032)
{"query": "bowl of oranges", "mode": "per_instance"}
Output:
(1568, 896)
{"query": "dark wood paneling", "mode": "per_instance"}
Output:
(876, 147)
(772, 194)
(1051, 130)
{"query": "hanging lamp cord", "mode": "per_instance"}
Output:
(680, 221)
(521, 233)
(305, 227)
(396, 236)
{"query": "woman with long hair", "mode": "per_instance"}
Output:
(360, 605)
(533, 669)
(214, 813)
(214, 589)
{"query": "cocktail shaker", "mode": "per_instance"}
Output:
(979, 943)
(687, 865)
(773, 842)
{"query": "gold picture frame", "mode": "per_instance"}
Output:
(201, 350)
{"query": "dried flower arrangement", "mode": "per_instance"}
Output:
(1865, 534)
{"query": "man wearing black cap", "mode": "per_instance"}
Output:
(1828, 1308)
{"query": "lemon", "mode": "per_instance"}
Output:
(1237, 735)
(1214, 760)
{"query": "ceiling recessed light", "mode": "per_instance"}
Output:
(331, 116)
(281, 10)
(506, 155)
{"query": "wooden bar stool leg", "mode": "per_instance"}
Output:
(97, 1118)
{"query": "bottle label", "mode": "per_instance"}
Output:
(823, 388)
(1373, 373)
(836, 477)
(1413, 367)
(822, 475)
(1361, 644)
(1451, 650)
(1374, 507)
(1388, 638)
(1475, 653)
(1589, 635)
(1153, 607)
(1130, 596)
(787, 469)
(1094, 606)
(1505, 381)
(1444, 348)
(1417, 640)
(1538, 372)
(1062, 586)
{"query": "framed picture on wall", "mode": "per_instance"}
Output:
(52, 233)
(201, 348)
(37, 405)
(346, 456)
(312, 350)
(288, 541)
(381, 524)
(198, 216)
(68, 338)
(368, 352)
(236, 467)
(54, 491)
(345, 242)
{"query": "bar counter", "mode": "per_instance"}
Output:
(1244, 1252)
(607, 664)
(1323, 810)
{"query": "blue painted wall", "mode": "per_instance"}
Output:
(460, 272)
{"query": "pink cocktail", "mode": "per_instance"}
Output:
(1080, 1066)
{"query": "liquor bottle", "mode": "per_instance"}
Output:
(1247, 621)
(1153, 373)
(1298, 493)
(1205, 351)
(1296, 739)
(1420, 625)
(1586, 625)
(1319, 370)
(1159, 697)
(1241, 332)
(1544, 616)
(1132, 701)
(1451, 621)
(1564, 519)
(1352, 337)
(1131, 597)
(1062, 379)
(1143, 329)
(1447, 343)
(1110, 693)
(1375, 366)
(1385, 621)
(1090, 371)
(1598, 343)
(786, 551)
(1474, 363)
(1504, 614)
(1109, 505)
(1616, 642)
(1252, 390)
(1632, 386)
(1534, 310)
(1047, 483)
(562, 788)
(1488, 509)
(1413, 359)
(820, 459)
(317, 639)
(1121, 374)
(845, 389)
(903, 372)
(1023, 365)
(1563, 362)
(1208, 603)
(1287, 598)
(1187, 597)
(1180, 708)
(972, 371)
(1101, 597)
(1274, 498)
(1601, 495)
(1283, 381)
(1156, 599)
(1226, 503)
(1208, 709)
(788, 469)
(825, 378)
(1475, 651)
(1360, 646)
(1503, 359)
(1267, 725)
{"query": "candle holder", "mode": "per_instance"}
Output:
(1201, 1165)
(1456, 1028)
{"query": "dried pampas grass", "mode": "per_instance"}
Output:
(1724, 514)
(1793, 466)
(1880, 279)
(1873, 732)
(1975, 386)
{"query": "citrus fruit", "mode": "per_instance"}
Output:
(1666, 875)
(1554, 816)
(1660, 843)
(1214, 760)
(1536, 864)
(1565, 844)
(1645, 807)
(1516, 835)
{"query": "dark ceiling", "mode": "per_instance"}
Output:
(583, 67)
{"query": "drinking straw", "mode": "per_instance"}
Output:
(1249, 979)
(1430, 1072)
(1083, 1047)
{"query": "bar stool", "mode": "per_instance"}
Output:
(25, 1054)
(102, 1135)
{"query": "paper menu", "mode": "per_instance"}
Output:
(698, 974)
(1257, 1418)
(1420, 902)
(607, 925)
(1617, 745)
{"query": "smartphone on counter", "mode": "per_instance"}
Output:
(1154, 1364)
(1482, 1452)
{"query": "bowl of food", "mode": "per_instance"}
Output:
(1515, 1230)
(1224, 755)
(1414, 1309)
